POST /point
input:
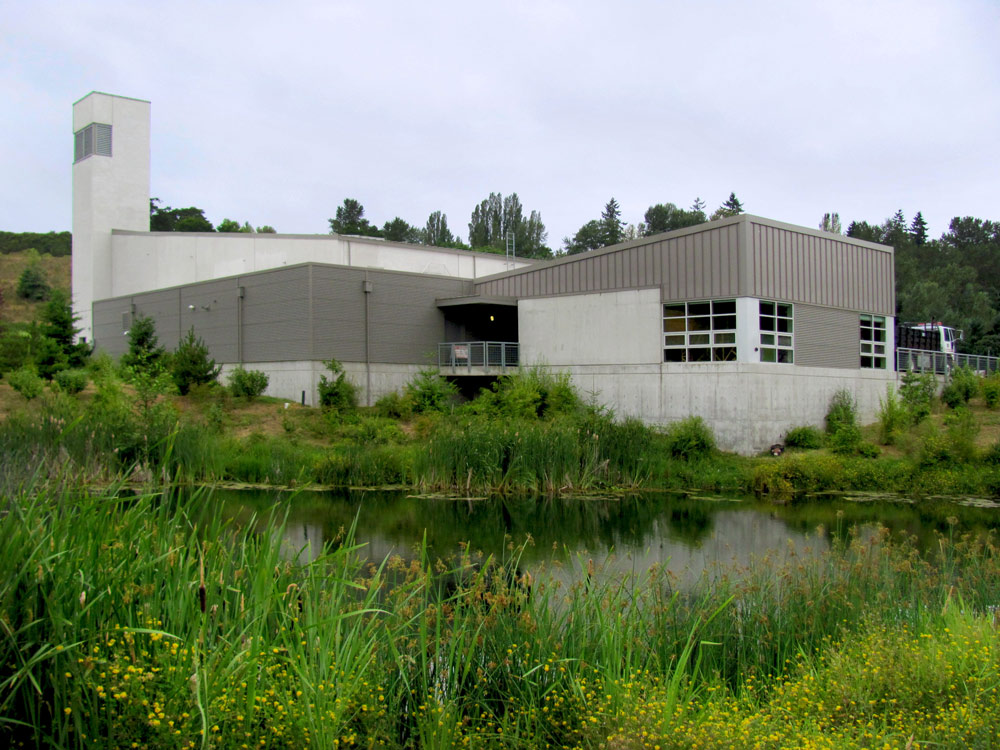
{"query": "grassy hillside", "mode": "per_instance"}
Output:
(16, 310)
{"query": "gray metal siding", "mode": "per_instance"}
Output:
(826, 337)
(214, 317)
(108, 330)
(406, 324)
(828, 271)
(164, 307)
(691, 266)
(276, 322)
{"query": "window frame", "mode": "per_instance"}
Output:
(870, 356)
(707, 331)
(776, 332)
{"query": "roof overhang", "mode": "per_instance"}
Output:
(477, 300)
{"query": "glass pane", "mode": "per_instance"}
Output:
(766, 324)
(784, 340)
(767, 355)
(880, 348)
(673, 311)
(767, 338)
(700, 355)
(785, 311)
(785, 355)
(784, 325)
(673, 340)
(866, 348)
(699, 308)
(724, 354)
(866, 334)
(866, 361)
(878, 335)
(727, 307)
(673, 325)
(699, 338)
(767, 308)
(880, 363)
(866, 319)
(725, 338)
(673, 355)
(725, 322)
(699, 324)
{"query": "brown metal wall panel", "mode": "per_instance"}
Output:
(826, 337)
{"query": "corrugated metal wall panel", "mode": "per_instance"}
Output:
(164, 308)
(215, 316)
(827, 271)
(826, 337)
(276, 315)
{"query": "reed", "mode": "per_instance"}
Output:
(150, 619)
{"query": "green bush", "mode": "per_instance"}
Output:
(248, 384)
(806, 436)
(690, 438)
(191, 365)
(842, 412)
(991, 390)
(337, 393)
(72, 381)
(892, 417)
(917, 391)
(846, 440)
(962, 387)
(962, 428)
(394, 406)
(429, 392)
(26, 382)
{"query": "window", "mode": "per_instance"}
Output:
(776, 342)
(699, 331)
(873, 341)
(93, 139)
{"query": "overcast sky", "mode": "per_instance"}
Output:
(273, 113)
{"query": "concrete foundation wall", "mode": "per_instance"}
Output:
(748, 406)
(289, 379)
(592, 329)
(143, 261)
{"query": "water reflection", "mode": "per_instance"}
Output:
(619, 536)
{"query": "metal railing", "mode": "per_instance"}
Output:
(920, 360)
(466, 355)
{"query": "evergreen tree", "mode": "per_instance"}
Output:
(918, 229)
(398, 230)
(191, 364)
(57, 326)
(698, 206)
(732, 207)
(31, 285)
(144, 350)
(612, 227)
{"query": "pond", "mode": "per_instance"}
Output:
(689, 535)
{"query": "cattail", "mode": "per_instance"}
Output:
(201, 586)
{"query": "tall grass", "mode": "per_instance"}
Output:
(148, 619)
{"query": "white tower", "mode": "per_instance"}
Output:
(110, 190)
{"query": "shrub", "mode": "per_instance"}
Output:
(338, 393)
(961, 429)
(892, 417)
(917, 392)
(248, 384)
(394, 406)
(690, 438)
(991, 390)
(842, 413)
(191, 364)
(846, 440)
(806, 436)
(961, 388)
(26, 382)
(429, 392)
(72, 381)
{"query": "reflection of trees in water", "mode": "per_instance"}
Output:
(629, 533)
